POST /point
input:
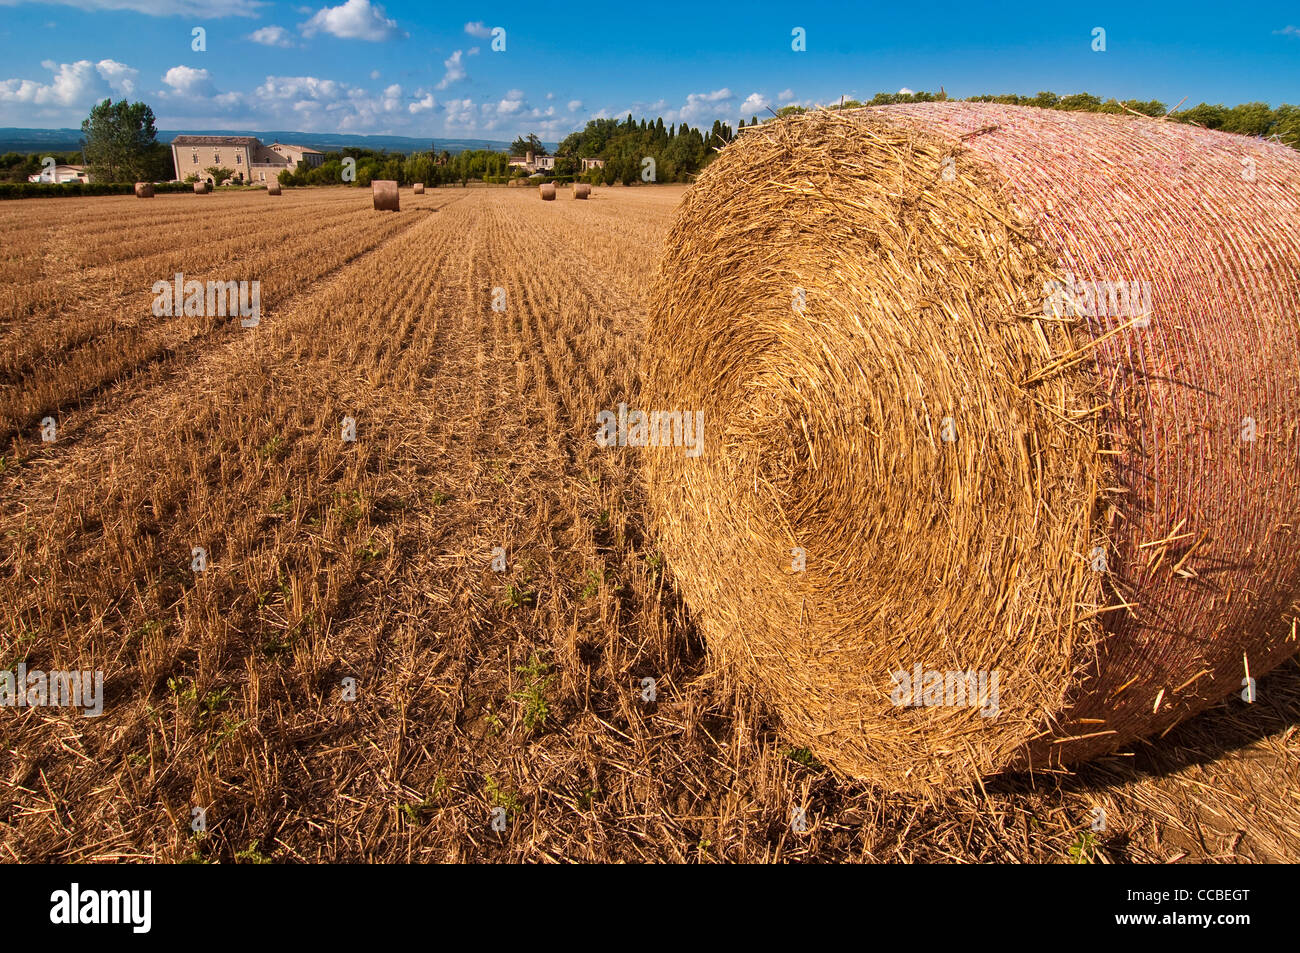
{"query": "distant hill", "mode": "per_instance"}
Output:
(67, 140)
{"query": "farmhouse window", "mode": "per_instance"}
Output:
(195, 157)
(239, 158)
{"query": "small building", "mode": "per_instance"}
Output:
(533, 163)
(299, 155)
(61, 173)
(592, 164)
(244, 155)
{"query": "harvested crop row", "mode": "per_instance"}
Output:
(114, 331)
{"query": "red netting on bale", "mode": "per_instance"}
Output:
(1206, 551)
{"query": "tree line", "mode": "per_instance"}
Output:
(679, 153)
(432, 168)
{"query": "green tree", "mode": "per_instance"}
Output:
(522, 146)
(1250, 119)
(1081, 102)
(419, 168)
(120, 141)
(1287, 125)
(219, 173)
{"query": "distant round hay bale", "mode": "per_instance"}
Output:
(273, 188)
(202, 188)
(418, 188)
(548, 191)
(144, 190)
(985, 390)
(385, 195)
(581, 190)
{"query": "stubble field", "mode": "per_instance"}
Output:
(337, 567)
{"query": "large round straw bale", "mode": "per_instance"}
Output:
(548, 191)
(418, 188)
(144, 190)
(273, 188)
(202, 188)
(385, 194)
(581, 190)
(941, 437)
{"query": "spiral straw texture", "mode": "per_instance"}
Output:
(912, 465)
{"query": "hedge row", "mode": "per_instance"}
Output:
(539, 180)
(29, 190)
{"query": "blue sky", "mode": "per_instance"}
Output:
(421, 69)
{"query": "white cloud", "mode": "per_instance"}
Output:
(211, 9)
(188, 81)
(73, 84)
(459, 112)
(310, 99)
(455, 70)
(423, 104)
(906, 92)
(472, 51)
(575, 105)
(700, 106)
(192, 95)
(354, 20)
(119, 76)
(299, 87)
(271, 36)
(1287, 31)
(513, 102)
(785, 95)
(754, 103)
(374, 74)
(478, 29)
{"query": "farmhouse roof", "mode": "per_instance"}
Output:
(214, 140)
(290, 145)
